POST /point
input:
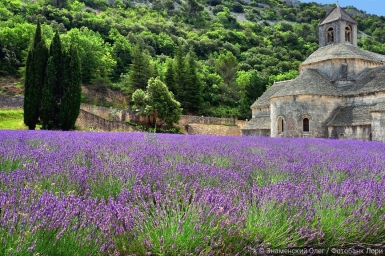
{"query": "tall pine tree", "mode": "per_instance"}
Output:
(169, 77)
(140, 70)
(180, 74)
(192, 94)
(34, 79)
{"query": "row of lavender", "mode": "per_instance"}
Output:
(137, 193)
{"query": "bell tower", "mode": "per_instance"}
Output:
(338, 28)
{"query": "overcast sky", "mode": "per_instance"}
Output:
(369, 6)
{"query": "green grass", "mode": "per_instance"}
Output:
(12, 120)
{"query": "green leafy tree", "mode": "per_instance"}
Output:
(192, 9)
(157, 103)
(95, 54)
(283, 76)
(139, 97)
(34, 80)
(169, 5)
(121, 52)
(161, 102)
(255, 85)
(227, 67)
(58, 3)
(14, 45)
(157, 5)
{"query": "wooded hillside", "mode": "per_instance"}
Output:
(216, 56)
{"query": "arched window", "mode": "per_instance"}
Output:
(305, 124)
(330, 35)
(348, 34)
(280, 125)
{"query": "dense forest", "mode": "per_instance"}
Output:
(216, 56)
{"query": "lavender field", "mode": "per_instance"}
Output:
(70, 193)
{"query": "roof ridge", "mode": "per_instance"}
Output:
(283, 81)
(365, 77)
(338, 111)
(342, 51)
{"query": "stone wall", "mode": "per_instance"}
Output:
(88, 121)
(370, 99)
(320, 110)
(11, 102)
(332, 68)
(212, 129)
(260, 111)
(378, 124)
(126, 115)
(256, 132)
(111, 119)
(185, 120)
(358, 132)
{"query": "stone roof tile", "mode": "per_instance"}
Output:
(369, 82)
(264, 99)
(258, 123)
(352, 116)
(337, 14)
(380, 107)
(309, 82)
(342, 51)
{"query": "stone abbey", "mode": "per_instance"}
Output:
(339, 93)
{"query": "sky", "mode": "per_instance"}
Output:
(369, 6)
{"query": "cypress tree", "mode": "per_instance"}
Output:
(34, 79)
(53, 86)
(71, 89)
(56, 53)
(56, 77)
(30, 119)
(48, 104)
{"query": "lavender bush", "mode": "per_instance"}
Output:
(138, 193)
